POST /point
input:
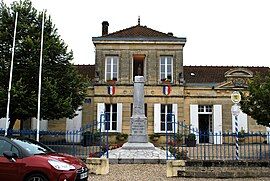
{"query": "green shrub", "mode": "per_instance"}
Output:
(191, 136)
(121, 136)
(154, 137)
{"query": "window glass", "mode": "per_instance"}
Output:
(111, 117)
(200, 108)
(4, 146)
(169, 70)
(205, 108)
(111, 67)
(166, 117)
(169, 60)
(32, 146)
(162, 60)
(166, 68)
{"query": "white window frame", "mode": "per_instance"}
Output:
(101, 110)
(111, 59)
(205, 109)
(166, 67)
(111, 117)
(157, 119)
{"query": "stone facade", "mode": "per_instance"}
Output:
(191, 88)
(197, 95)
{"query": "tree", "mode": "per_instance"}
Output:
(256, 103)
(63, 90)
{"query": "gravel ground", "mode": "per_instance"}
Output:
(150, 172)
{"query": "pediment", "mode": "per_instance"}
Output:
(239, 72)
(233, 83)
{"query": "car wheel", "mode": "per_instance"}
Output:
(36, 177)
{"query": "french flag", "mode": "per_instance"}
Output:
(166, 89)
(111, 90)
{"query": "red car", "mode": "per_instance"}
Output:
(24, 159)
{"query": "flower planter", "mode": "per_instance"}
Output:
(111, 82)
(190, 143)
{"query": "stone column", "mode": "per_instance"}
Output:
(138, 121)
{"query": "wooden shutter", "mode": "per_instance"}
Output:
(194, 120)
(217, 123)
(100, 111)
(175, 112)
(156, 118)
(119, 117)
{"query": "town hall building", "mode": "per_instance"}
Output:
(197, 96)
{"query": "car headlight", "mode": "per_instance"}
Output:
(58, 165)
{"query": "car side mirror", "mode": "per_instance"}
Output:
(10, 156)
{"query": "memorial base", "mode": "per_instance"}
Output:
(139, 153)
(138, 146)
(138, 139)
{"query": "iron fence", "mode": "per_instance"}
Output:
(182, 142)
(86, 142)
(188, 143)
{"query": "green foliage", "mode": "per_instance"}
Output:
(179, 154)
(191, 137)
(179, 137)
(63, 90)
(257, 102)
(241, 134)
(121, 136)
(154, 137)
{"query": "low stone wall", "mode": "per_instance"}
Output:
(217, 168)
(99, 166)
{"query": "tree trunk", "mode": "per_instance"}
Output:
(12, 122)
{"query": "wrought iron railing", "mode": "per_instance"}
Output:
(188, 143)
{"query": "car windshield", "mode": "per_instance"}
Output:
(33, 147)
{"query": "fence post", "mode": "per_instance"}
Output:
(236, 139)
(107, 142)
(73, 142)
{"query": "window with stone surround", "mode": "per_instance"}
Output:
(165, 115)
(109, 117)
(166, 68)
(111, 68)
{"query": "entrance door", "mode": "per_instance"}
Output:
(204, 128)
(138, 65)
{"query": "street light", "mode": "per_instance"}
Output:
(236, 98)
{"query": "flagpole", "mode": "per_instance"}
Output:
(10, 74)
(40, 70)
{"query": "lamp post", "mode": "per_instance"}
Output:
(236, 98)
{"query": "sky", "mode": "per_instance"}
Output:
(218, 32)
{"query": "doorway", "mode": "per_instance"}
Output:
(204, 127)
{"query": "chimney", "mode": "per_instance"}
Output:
(170, 33)
(105, 26)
